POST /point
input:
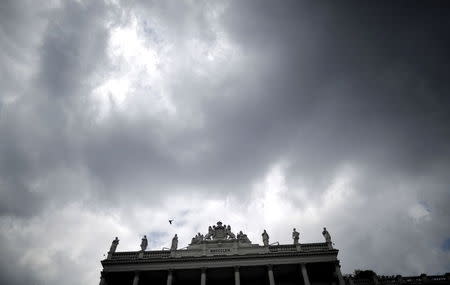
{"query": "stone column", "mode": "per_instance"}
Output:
(339, 274)
(136, 278)
(375, 280)
(169, 277)
(270, 273)
(237, 277)
(203, 277)
(102, 278)
(305, 274)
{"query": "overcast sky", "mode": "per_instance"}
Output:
(118, 115)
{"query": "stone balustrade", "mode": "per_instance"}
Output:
(213, 251)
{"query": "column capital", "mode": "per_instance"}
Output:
(203, 269)
(137, 272)
(236, 267)
(269, 266)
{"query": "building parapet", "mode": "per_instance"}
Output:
(130, 256)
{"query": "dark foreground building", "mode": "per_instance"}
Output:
(221, 257)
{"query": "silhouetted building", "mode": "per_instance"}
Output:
(374, 279)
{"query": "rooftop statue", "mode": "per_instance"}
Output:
(326, 235)
(229, 233)
(144, 243)
(242, 237)
(265, 238)
(217, 233)
(114, 245)
(295, 236)
(210, 233)
(174, 245)
(197, 239)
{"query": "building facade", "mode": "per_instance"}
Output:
(222, 257)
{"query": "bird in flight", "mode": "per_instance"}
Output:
(170, 221)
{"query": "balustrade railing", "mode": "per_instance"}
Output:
(133, 255)
(314, 246)
(157, 254)
(283, 247)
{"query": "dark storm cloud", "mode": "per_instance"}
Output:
(355, 73)
(323, 84)
(73, 45)
(39, 128)
(10, 269)
(320, 85)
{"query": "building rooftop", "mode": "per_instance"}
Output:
(220, 256)
(221, 244)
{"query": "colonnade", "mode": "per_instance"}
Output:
(237, 278)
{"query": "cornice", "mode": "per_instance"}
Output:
(312, 256)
